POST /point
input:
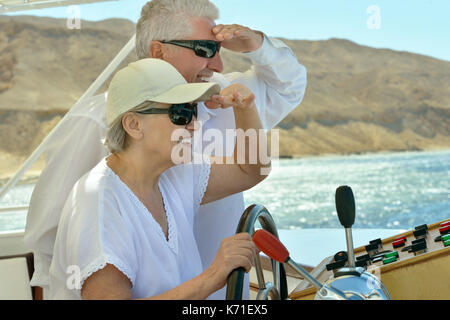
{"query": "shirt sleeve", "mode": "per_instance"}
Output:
(276, 78)
(97, 233)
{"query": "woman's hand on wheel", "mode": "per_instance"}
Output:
(234, 252)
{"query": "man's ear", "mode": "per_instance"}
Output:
(156, 50)
(132, 125)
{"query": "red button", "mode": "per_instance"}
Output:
(398, 243)
(444, 224)
(444, 229)
(400, 238)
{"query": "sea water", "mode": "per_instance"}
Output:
(392, 191)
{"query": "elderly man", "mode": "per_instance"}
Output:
(170, 30)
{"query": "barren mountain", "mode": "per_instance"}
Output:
(358, 98)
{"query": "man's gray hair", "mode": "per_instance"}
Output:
(116, 136)
(169, 20)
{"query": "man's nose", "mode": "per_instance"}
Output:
(215, 63)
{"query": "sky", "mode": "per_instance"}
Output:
(418, 26)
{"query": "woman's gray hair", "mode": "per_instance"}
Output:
(169, 20)
(116, 136)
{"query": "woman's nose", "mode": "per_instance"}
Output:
(193, 125)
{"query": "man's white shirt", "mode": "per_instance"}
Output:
(278, 82)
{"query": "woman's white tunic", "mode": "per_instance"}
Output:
(104, 222)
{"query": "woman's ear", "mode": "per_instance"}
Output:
(132, 124)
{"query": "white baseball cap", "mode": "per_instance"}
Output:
(152, 80)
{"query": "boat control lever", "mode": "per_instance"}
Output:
(272, 247)
(345, 207)
(348, 283)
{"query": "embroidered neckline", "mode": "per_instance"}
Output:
(172, 241)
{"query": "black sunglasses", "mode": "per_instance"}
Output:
(202, 48)
(179, 114)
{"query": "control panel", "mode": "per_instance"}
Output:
(408, 264)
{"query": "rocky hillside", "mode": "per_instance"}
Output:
(358, 98)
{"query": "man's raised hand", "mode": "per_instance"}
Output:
(238, 38)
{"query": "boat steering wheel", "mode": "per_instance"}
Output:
(276, 289)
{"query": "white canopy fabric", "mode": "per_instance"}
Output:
(18, 5)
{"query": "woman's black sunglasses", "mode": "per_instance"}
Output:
(202, 48)
(179, 114)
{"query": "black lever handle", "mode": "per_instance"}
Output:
(345, 206)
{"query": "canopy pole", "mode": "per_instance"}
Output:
(89, 92)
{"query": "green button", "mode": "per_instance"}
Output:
(389, 260)
(445, 237)
(391, 254)
(447, 243)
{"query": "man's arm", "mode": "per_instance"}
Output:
(276, 78)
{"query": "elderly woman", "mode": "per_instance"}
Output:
(126, 230)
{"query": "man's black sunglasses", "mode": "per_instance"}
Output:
(179, 114)
(202, 48)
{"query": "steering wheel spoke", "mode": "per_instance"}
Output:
(235, 283)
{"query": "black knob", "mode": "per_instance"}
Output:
(363, 257)
(335, 265)
(372, 248)
(341, 256)
(361, 263)
(345, 206)
(376, 241)
(423, 226)
(420, 232)
(419, 246)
